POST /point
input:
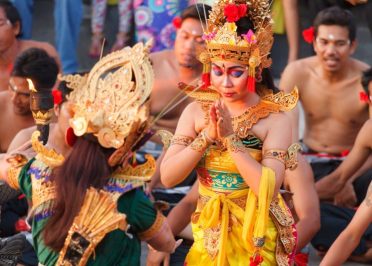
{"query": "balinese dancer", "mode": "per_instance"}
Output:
(238, 138)
(85, 208)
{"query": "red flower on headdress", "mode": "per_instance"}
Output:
(234, 12)
(57, 96)
(363, 96)
(177, 22)
(308, 35)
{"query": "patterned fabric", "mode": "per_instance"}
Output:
(153, 19)
(99, 14)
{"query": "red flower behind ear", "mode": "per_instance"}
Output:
(308, 35)
(234, 12)
(363, 96)
(57, 96)
(177, 22)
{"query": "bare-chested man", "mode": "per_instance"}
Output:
(171, 67)
(329, 85)
(15, 113)
(10, 45)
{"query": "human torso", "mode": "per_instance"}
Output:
(11, 123)
(166, 95)
(333, 112)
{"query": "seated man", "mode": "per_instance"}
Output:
(329, 86)
(356, 234)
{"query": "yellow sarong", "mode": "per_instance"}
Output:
(221, 218)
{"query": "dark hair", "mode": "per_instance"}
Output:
(198, 12)
(366, 79)
(37, 65)
(42, 69)
(336, 16)
(86, 166)
(12, 14)
(267, 81)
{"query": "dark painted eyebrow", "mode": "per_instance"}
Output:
(229, 68)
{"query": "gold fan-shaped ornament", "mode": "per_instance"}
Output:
(97, 217)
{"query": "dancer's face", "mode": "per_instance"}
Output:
(230, 79)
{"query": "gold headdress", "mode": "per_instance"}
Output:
(111, 103)
(224, 43)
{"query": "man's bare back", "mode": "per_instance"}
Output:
(167, 77)
(333, 112)
(11, 123)
(7, 57)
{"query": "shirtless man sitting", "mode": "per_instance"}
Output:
(11, 46)
(171, 67)
(15, 113)
(329, 85)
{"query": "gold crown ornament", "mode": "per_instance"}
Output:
(224, 43)
(111, 102)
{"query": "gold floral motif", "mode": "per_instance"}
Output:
(155, 228)
(286, 101)
(280, 155)
(199, 144)
(48, 156)
(292, 161)
(181, 140)
(212, 240)
(16, 161)
(142, 172)
(233, 144)
(97, 217)
(284, 223)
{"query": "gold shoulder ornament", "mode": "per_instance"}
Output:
(270, 103)
(48, 156)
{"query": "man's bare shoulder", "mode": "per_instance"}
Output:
(165, 56)
(359, 65)
(296, 73)
(4, 99)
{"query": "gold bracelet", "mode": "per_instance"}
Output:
(200, 143)
(206, 136)
(234, 144)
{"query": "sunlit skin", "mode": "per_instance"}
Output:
(188, 41)
(20, 95)
(333, 47)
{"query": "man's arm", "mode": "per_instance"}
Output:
(329, 185)
(349, 239)
(305, 201)
(290, 8)
(21, 138)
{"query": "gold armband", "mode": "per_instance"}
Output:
(280, 155)
(234, 144)
(288, 158)
(155, 228)
(17, 161)
(181, 140)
